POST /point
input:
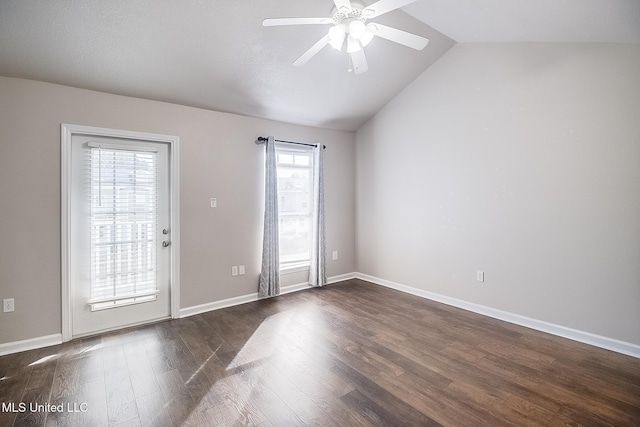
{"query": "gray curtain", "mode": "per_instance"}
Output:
(318, 267)
(270, 274)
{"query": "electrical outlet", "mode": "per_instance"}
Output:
(334, 255)
(234, 270)
(480, 276)
(8, 305)
(241, 270)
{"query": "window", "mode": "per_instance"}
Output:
(295, 192)
(123, 222)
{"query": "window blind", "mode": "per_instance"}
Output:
(123, 226)
(295, 187)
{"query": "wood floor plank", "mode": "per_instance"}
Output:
(7, 417)
(66, 380)
(317, 366)
(382, 397)
(94, 396)
(350, 354)
(42, 375)
(517, 410)
(422, 397)
(268, 402)
(312, 384)
(122, 407)
(371, 411)
(37, 398)
(236, 397)
(290, 390)
(152, 411)
(180, 405)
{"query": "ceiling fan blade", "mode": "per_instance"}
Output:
(359, 61)
(402, 37)
(342, 4)
(274, 22)
(383, 6)
(305, 57)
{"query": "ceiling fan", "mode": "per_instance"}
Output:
(350, 22)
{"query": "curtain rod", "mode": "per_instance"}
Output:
(262, 139)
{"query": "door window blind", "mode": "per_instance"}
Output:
(123, 226)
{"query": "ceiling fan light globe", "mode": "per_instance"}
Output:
(357, 29)
(337, 34)
(367, 37)
(353, 45)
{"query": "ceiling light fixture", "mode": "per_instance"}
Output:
(337, 34)
(368, 35)
(353, 45)
(357, 29)
(349, 20)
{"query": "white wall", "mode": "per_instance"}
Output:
(522, 160)
(218, 159)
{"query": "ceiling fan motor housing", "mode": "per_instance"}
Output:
(355, 12)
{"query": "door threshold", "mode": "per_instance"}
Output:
(120, 328)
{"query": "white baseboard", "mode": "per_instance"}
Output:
(49, 340)
(612, 344)
(216, 305)
(341, 278)
(230, 302)
(562, 331)
(30, 344)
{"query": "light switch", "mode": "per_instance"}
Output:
(214, 202)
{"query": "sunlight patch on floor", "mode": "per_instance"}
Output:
(264, 340)
(44, 359)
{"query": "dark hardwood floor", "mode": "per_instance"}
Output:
(349, 354)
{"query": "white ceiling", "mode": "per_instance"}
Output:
(215, 54)
(582, 21)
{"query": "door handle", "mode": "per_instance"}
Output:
(166, 243)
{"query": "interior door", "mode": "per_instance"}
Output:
(120, 240)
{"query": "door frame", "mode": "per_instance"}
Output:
(67, 131)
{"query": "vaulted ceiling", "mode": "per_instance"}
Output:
(216, 54)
